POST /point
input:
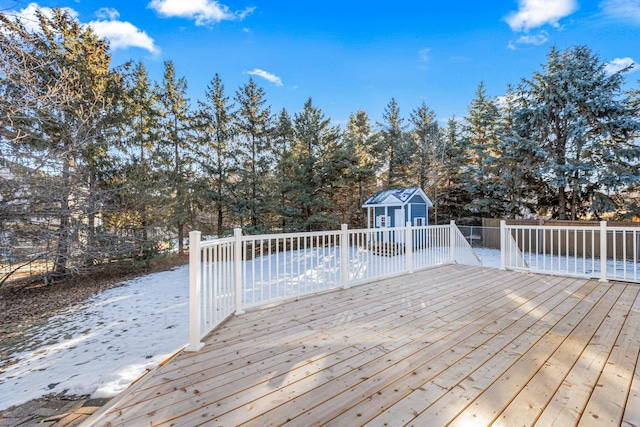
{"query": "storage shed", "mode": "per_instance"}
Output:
(394, 208)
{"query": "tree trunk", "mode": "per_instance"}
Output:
(64, 230)
(220, 212)
(143, 208)
(361, 198)
(180, 238)
(562, 203)
(91, 252)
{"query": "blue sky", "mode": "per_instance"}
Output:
(358, 55)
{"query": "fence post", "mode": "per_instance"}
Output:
(194, 292)
(503, 244)
(237, 269)
(409, 247)
(344, 256)
(452, 244)
(603, 251)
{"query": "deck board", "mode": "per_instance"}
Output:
(452, 345)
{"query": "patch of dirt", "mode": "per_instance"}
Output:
(30, 298)
(53, 410)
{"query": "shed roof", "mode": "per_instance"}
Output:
(397, 196)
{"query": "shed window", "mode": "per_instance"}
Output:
(418, 222)
(383, 221)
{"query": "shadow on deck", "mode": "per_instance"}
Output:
(452, 344)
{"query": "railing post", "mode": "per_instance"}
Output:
(344, 256)
(194, 292)
(237, 269)
(603, 251)
(409, 247)
(503, 244)
(452, 241)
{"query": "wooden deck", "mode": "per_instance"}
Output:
(455, 345)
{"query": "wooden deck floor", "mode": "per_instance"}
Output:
(451, 345)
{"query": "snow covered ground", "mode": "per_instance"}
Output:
(103, 346)
(114, 338)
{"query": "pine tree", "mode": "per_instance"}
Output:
(363, 156)
(517, 187)
(216, 155)
(316, 168)
(253, 126)
(178, 147)
(430, 149)
(58, 101)
(454, 196)
(397, 145)
(583, 125)
(140, 144)
(284, 175)
(482, 132)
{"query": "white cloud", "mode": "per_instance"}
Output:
(107, 13)
(537, 40)
(30, 20)
(266, 75)
(620, 64)
(536, 13)
(622, 9)
(122, 35)
(424, 54)
(204, 12)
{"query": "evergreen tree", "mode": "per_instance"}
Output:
(397, 145)
(482, 132)
(284, 175)
(141, 191)
(629, 205)
(216, 155)
(315, 168)
(178, 146)
(363, 156)
(58, 99)
(517, 187)
(583, 125)
(430, 149)
(454, 196)
(253, 125)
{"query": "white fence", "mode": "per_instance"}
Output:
(232, 274)
(601, 251)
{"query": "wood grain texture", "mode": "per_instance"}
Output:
(452, 345)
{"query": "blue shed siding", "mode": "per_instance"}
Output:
(392, 215)
(390, 210)
(418, 211)
(416, 199)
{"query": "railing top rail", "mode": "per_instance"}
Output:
(249, 237)
(403, 228)
(554, 227)
(623, 228)
(215, 242)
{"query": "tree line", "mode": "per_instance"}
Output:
(100, 164)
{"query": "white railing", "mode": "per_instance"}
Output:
(232, 274)
(598, 251)
(463, 252)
